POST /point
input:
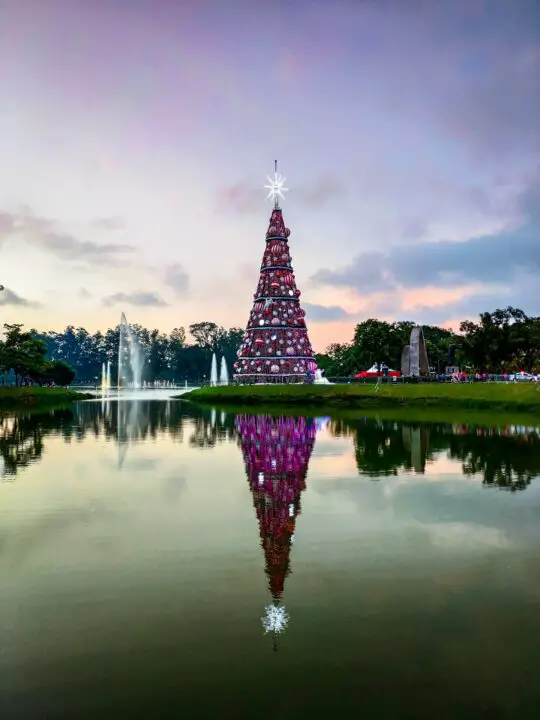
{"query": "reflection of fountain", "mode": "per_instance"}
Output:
(224, 373)
(131, 425)
(106, 376)
(321, 423)
(320, 379)
(276, 454)
(213, 370)
(130, 357)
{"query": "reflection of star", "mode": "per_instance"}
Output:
(276, 187)
(275, 620)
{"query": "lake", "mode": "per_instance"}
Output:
(159, 560)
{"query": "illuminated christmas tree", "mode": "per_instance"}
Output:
(276, 454)
(276, 345)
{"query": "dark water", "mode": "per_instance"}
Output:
(141, 544)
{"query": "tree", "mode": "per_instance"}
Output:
(60, 373)
(500, 340)
(228, 344)
(157, 356)
(205, 334)
(23, 354)
(379, 342)
(338, 360)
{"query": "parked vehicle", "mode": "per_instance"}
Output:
(523, 377)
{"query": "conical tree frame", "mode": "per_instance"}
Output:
(276, 346)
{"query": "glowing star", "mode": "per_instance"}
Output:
(275, 619)
(276, 187)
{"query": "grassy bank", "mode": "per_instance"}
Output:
(489, 396)
(15, 398)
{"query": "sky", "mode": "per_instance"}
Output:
(135, 140)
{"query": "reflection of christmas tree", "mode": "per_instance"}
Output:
(276, 453)
(276, 345)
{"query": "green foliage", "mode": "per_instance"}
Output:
(502, 340)
(167, 357)
(60, 373)
(23, 354)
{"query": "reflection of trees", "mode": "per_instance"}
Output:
(507, 458)
(211, 428)
(509, 463)
(383, 448)
(21, 437)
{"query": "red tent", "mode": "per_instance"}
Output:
(372, 373)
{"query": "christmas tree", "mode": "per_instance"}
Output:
(276, 454)
(276, 345)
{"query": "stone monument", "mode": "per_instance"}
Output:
(414, 359)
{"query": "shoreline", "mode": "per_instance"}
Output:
(498, 397)
(21, 398)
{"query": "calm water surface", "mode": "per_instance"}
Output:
(145, 547)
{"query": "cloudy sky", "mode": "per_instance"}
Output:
(135, 138)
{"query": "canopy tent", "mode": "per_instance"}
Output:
(374, 372)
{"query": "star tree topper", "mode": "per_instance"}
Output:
(276, 186)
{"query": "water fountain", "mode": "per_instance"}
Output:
(224, 372)
(320, 379)
(213, 371)
(106, 376)
(130, 357)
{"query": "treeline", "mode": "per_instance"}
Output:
(25, 357)
(501, 341)
(171, 357)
